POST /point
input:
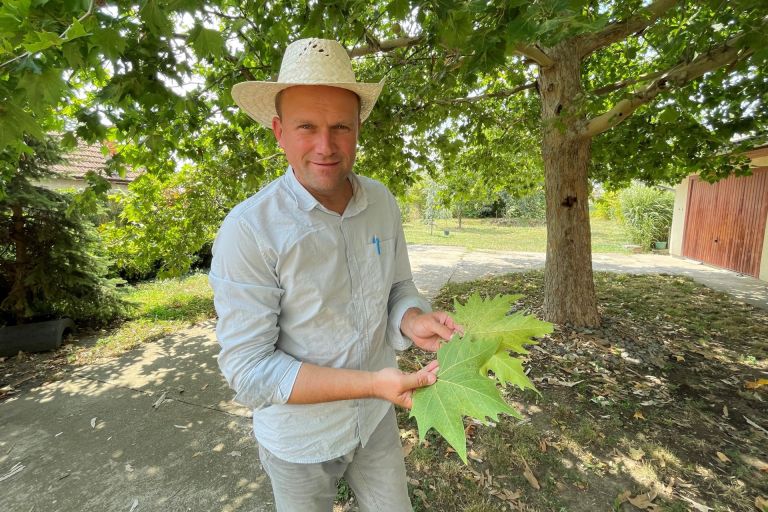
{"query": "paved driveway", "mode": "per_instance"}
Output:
(435, 265)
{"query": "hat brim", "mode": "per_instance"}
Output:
(257, 99)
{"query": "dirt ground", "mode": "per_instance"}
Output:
(663, 407)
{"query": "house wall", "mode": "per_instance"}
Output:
(68, 183)
(678, 218)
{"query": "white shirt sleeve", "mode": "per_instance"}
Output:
(247, 300)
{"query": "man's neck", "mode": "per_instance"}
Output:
(337, 202)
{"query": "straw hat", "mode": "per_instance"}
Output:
(306, 62)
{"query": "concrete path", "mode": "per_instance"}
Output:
(155, 430)
(433, 266)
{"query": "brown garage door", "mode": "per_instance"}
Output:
(725, 221)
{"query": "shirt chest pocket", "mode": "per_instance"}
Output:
(377, 269)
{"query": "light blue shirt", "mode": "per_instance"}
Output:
(293, 282)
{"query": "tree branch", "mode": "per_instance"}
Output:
(624, 83)
(384, 46)
(677, 76)
(619, 30)
(498, 94)
(535, 54)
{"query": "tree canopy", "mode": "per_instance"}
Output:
(654, 90)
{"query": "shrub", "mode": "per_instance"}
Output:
(646, 213)
(608, 206)
(532, 207)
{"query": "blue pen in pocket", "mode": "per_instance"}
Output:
(377, 241)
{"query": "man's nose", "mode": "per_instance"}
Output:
(324, 144)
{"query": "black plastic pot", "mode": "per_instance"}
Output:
(35, 337)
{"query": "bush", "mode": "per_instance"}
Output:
(608, 206)
(647, 214)
(532, 207)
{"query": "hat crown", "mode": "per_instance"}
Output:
(319, 61)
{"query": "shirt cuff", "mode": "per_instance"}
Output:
(395, 336)
(285, 386)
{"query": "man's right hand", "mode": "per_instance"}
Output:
(397, 387)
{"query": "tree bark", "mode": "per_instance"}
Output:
(569, 290)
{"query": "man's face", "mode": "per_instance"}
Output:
(318, 131)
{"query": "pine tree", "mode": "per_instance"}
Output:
(51, 262)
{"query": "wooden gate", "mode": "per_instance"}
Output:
(725, 221)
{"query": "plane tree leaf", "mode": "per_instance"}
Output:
(460, 390)
(487, 318)
(507, 370)
(463, 387)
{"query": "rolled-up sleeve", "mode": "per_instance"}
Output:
(403, 295)
(247, 301)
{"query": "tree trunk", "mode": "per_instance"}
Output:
(17, 295)
(569, 290)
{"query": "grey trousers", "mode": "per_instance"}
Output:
(375, 472)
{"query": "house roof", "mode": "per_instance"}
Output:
(89, 157)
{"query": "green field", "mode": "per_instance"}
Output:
(607, 235)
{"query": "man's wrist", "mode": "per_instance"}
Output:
(408, 316)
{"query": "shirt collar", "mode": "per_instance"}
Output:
(306, 201)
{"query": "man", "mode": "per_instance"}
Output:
(314, 292)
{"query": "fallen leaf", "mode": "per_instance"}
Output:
(761, 504)
(624, 496)
(636, 453)
(698, 506)
(723, 457)
(423, 496)
(638, 415)
(679, 359)
(472, 454)
(408, 447)
(528, 474)
(725, 411)
(93, 422)
(543, 445)
(756, 383)
(159, 400)
(644, 501)
(755, 462)
(756, 425)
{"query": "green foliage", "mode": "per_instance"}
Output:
(51, 259)
(155, 77)
(462, 386)
(646, 213)
(531, 207)
(608, 207)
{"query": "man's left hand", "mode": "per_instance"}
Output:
(426, 330)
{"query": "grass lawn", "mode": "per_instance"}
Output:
(160, 308)
(607, 236)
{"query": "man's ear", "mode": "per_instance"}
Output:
(277, 129)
